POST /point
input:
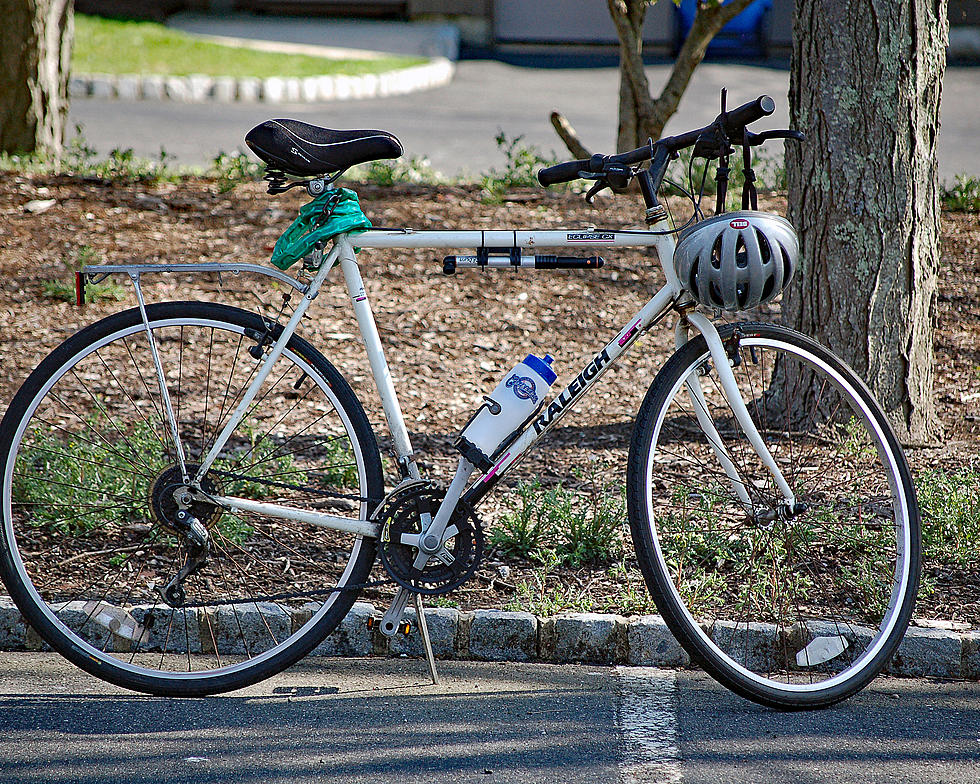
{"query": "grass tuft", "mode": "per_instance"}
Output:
(125, 46)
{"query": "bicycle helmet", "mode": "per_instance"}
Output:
(737, 260)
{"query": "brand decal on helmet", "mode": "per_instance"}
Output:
(739, 223)
(523, 387)
(591, 236)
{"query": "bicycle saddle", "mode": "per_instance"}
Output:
(305, 150)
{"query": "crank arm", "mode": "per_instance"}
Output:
(392, 618)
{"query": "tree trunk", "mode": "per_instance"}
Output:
(865, 86)
(35, 58)
(640, 116)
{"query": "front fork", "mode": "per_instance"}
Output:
(729, 385)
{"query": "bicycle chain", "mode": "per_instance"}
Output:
(295, 595)
(301, 488)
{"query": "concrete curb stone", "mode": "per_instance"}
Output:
(496, 635)
(928, 653)
(199, 88)
(591, 638)
(351, 638)
(970, 666)
(443, 625)
(154, 88)
(651, 644)
(13, 634)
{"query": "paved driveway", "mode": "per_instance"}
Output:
(454, 126)
(374, 721)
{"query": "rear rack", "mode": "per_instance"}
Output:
(99, 272)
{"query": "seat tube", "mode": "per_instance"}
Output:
(376, 358)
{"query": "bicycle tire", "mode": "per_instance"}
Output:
(793, 609)
(88, 468)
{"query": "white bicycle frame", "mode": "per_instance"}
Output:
(430, 542)
(672, 294)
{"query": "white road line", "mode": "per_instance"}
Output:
(647, 717)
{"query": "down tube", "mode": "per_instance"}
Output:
(555, 410)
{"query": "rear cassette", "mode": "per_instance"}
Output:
(403, 513)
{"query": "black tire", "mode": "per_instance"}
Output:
(87, 466)
(794, 609)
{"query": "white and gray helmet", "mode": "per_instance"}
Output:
(737, 260)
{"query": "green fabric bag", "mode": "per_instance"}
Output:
(334, 212)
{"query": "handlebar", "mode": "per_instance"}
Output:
(732, 124)
(568, 171)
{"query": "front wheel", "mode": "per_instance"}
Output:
(94, 549)
(790, 607)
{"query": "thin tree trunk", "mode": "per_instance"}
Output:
(865, 86)
(641, 116)
(35, 57)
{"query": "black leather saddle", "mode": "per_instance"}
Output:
(305, 150)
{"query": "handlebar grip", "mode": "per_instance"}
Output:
(562, 172)
(738, 118)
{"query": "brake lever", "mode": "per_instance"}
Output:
(600, 185)
(756, 139)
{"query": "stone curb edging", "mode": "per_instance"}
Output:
(496, 635)
(274, 89)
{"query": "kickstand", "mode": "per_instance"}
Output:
(426, 642)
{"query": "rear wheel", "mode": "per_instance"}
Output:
(94, 537)
(793, 608)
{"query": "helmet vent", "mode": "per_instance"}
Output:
(716, 253)
(765, 250)
(741, 254)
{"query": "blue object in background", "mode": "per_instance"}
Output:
(744, 35)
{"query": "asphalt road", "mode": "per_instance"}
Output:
(454, 125)
(380, 721)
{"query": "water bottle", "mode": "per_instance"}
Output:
(513, 402)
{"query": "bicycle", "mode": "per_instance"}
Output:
(223, 492)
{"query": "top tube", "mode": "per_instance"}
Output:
(565, 238)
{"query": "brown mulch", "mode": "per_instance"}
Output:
(448, 339)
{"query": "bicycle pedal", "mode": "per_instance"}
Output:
(373, 622)
(405, 628)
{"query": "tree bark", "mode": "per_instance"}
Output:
(35, 58)
(865, 86)
(641, 116)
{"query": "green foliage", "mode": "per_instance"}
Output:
(93, 476)
(522, 164)
(415, 169)
(79, 159)
(631, 596)
(769, 168)
(576, 528)
(963, 195)
(544, 593)
(123, 46)
(950, 506)
(233, 170)
(523, 530)
(75, 482)
(94, 292)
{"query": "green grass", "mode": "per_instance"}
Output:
(949, 502)
(575, 528)
(963, 195)
(94, 292)
(521, 170)
(117, 46)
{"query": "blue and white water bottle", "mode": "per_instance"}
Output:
(512, 403)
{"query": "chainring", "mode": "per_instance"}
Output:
(401, 513)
